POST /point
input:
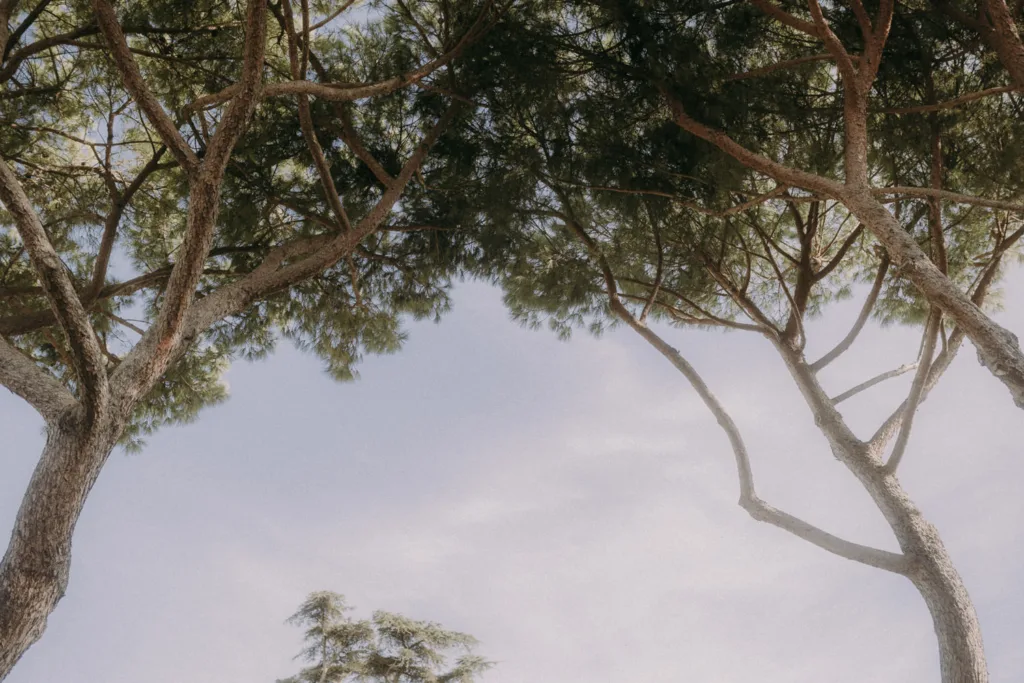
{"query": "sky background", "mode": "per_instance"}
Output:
(572, 505)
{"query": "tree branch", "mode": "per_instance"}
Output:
(950, 104)
(87, 357)
(136, 86)
(858, 325)
(873, 557)
(758, 509)
(927, 192)
(150, 358)
(762, 164)
(832, 43)
(306, 119)
(931, 335)
(113, 220)
(838, 258)
(877, 379)
(24, 378)
(1005, 35)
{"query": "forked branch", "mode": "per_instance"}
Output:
(756, 507)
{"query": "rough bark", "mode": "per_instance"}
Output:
(1006, 37)
(961, 654)
(34, 571)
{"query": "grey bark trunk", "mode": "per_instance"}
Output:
(961, 652)
(34, 572)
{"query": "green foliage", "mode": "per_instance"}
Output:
(576, 130)
(387, 648)
(78, 143)
(564, 129)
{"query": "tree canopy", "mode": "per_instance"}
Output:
(185, 184)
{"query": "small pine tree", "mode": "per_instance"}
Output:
(388, 648)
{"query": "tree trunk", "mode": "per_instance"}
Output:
(34, 572)
(961, 653)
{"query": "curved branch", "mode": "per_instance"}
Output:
(931, 335)
(757, 508)
(873, 557)
(862, 318)
(757, 162)
(24, 378)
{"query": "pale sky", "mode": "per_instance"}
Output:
(572, 505)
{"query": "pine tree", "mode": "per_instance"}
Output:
(188, 183)
(619, 217)
(387, 648)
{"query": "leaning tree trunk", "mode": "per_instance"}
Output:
(34, 572)
(961, 653)
(931, 570)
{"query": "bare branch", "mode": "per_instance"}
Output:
(658, 272)
(874, 45)
(113, 220)
(1006, 37)
(873, 557)
(773, 169)
(877, 379)
(17, 33)
(931, 335)
(952, 346)
(858, 325)
(786, 18)
(862, 17)
(348, 133)
(832, 43)
(757, 508)
(838, 258)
